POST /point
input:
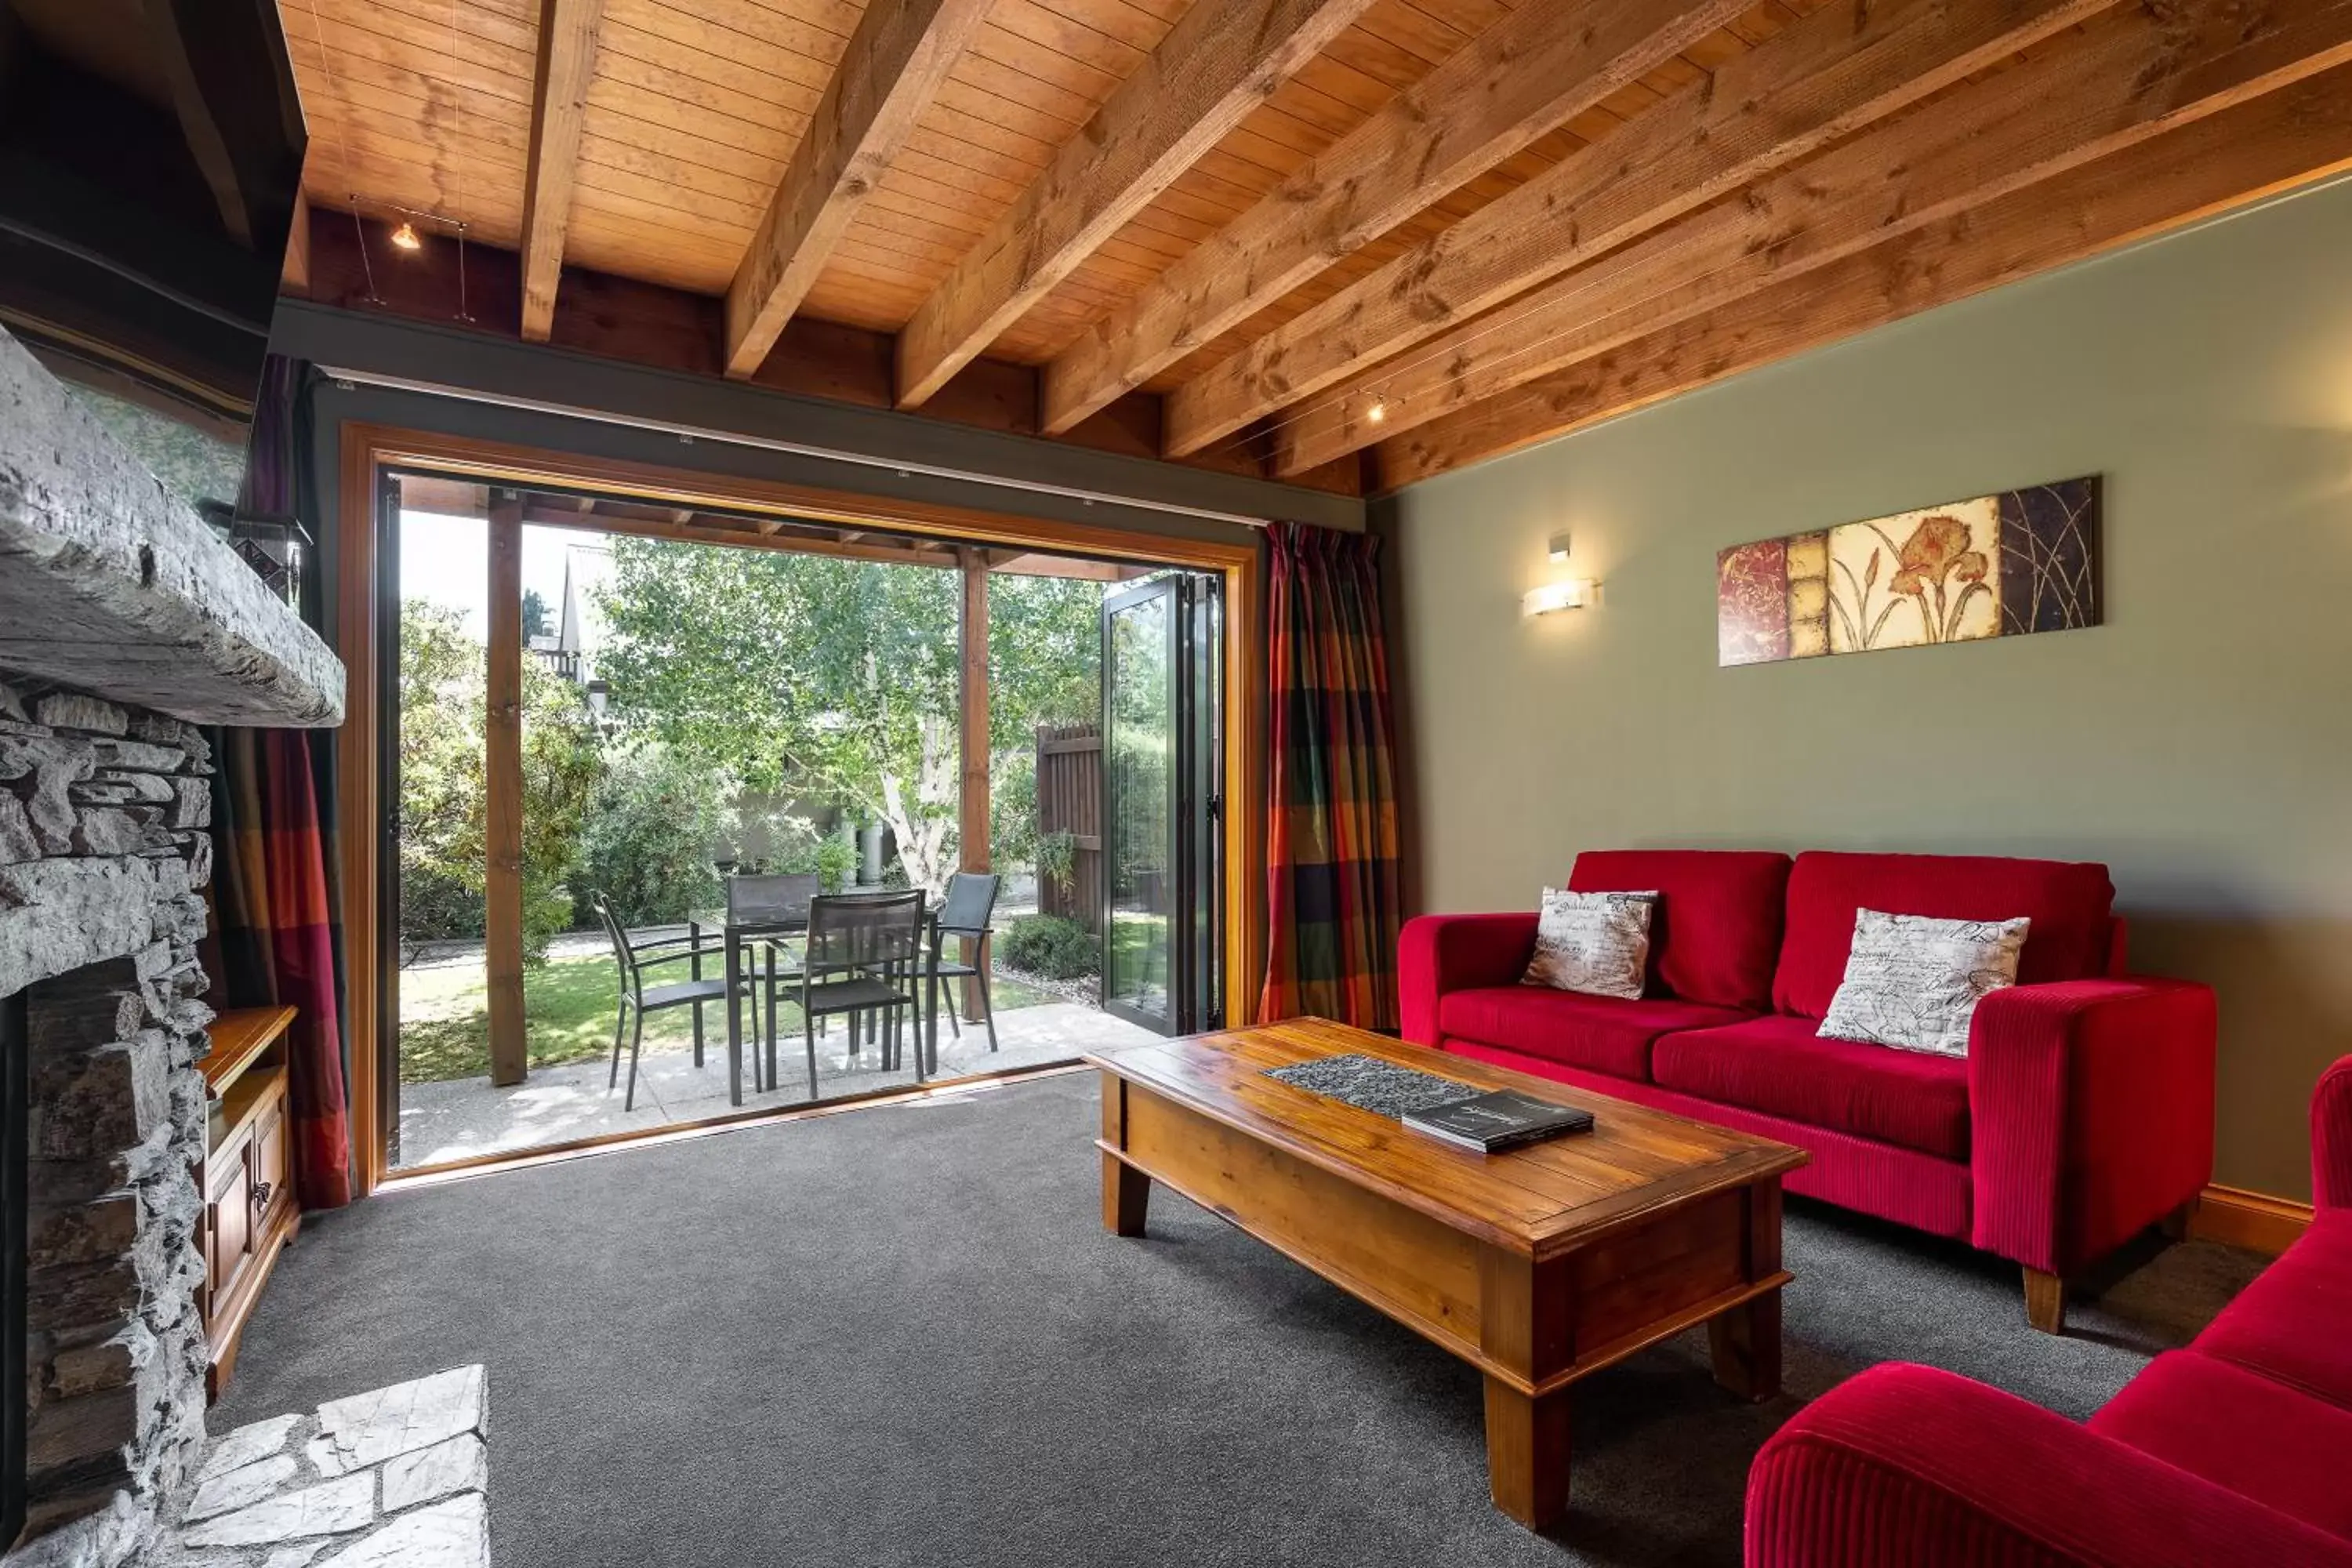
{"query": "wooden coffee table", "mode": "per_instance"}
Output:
(1537, 1266)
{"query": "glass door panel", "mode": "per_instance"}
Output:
(1139, 781)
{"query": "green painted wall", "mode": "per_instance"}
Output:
(2200, 743)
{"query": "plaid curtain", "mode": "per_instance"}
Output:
(1332, 847)
(279, 935)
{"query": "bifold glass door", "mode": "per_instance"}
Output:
(1162, 698)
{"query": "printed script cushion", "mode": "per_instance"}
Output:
(1914, 981)
(1597, 943)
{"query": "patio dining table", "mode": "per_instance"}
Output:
(744, 927)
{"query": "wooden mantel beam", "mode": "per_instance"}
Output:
(2208, 166)
(2124, 78)
(558, 104)
(1839, 69)
(893, 68)
(1527, 74)
(1221, 60)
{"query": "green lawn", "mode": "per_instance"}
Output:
(568, 1006)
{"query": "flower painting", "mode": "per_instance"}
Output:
(1997, 565)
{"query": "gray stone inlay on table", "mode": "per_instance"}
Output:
(1370, 1084)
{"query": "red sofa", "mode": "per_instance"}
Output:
(2083, 1114)
(2236, 1451)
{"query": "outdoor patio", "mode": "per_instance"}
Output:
(463, 1117)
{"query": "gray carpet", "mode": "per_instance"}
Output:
(900, 1336)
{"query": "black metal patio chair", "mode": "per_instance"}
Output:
(637, 998)
(964, 913)
(860, 958)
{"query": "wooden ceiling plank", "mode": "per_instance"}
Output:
(2121, 78)
(894, 65)
(2282, 140)
(558, 105)
(1515, 82)
(1222, 60)
(1824, 79)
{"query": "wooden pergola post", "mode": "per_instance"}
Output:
(502, 781)
(972, 801)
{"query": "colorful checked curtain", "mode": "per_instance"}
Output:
(1331, 843)
(275, 919)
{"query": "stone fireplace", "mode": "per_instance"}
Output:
(124, 623)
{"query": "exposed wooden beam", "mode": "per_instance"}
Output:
(1222, 60)
(2206, 166)
(559, 104)
(2122, 79)
(1836, 71)
(892, 70)
(1029, 563)
(1527, 74)
(296, 274)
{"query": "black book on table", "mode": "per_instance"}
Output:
(1491, 1123)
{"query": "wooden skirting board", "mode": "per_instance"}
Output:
(2255, 1221)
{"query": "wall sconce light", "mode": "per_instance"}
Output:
(1572, 595)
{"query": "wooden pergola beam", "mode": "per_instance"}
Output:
(892, 69)
(1221, 60)
(2122, 79)
(558, 105)
(1837, 70)
(1525, 76)
(2301, 133)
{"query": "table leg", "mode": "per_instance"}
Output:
(734, 1020)
(1526, 1454)
(1127, 1194)
(1746, 1343)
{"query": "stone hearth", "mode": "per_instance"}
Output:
(124, 623)
(395, 1478)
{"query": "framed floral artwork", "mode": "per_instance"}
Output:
(1999, 565)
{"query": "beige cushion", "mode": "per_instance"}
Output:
(1913, 982)
(1597, 943)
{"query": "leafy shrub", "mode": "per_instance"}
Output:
(1052, 945)
(646, 843)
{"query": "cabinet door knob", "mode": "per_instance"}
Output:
(261, 1195)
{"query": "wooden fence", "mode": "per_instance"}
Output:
(1069, 800)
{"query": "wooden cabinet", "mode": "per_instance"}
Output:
(251, 1208)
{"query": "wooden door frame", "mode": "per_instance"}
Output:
(368, 448)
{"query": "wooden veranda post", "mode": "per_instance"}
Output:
(502, 785)
(972, 828)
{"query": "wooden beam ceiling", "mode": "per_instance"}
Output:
(1221, 60)
(559, 103)
(1833, 73)
(2123, 77)
(1226, 232)
(2257, 149)
(1519, 79)
(888, 74)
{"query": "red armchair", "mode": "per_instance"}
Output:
(2083, 1114)
(2232, 1451)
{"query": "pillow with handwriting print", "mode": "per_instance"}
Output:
(1914, 981)
(1597, 943)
